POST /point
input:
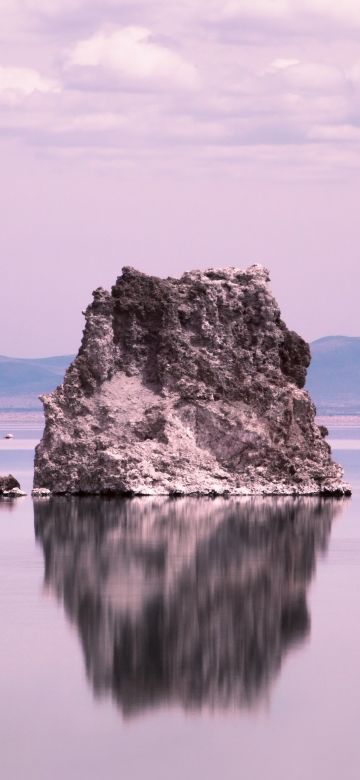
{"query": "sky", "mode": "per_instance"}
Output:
(177, 134)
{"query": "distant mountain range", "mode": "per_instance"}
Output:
(333, 377)
(22, 380)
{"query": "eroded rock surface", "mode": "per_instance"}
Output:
(190, 385)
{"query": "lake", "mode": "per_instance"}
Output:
(179, 638)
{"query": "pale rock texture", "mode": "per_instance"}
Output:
(186, 386)
(41, 493)
(15, 492)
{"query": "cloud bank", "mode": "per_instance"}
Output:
(216, 84)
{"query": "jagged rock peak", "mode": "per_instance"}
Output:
(190, 385)
(228, 273)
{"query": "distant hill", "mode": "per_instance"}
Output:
(22, 380)
(334, 375)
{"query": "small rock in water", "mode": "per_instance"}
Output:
(8, 483)
(14, 493)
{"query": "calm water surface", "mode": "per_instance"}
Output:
(179, 639)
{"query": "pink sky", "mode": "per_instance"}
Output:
(173, 135)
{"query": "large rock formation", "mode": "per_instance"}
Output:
(193, 602)
(190, 385)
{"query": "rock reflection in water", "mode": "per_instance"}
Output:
(193, 601)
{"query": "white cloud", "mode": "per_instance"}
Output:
(24, 82)
(282, 64)
(307, 75)
(346, 11)
(131, 53)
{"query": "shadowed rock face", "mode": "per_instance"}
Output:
(188, 601)
(181, 386)
(8, 483)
